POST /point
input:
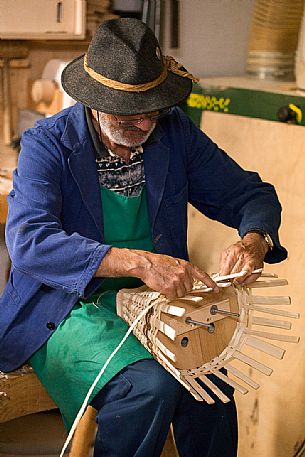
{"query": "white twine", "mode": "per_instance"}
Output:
(85, 402)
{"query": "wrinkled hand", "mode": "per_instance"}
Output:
(246, 255)
(173, 277)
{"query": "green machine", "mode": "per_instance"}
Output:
(272, 101)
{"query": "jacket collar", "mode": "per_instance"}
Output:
(76, 130)
(82, 164)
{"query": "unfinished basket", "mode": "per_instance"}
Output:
(204, 332)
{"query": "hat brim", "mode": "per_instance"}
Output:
(82, 88)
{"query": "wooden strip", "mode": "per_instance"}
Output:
(240, 375)
(192, 298)
(270, 300)
(167, 365)
(173, 310)
(230, 382)
(224, 284)
(17, 63)
(253, 363)
(217, 278)
(164, 349)
(200, 391)
(214, 388)
(271, 323)
(273, 336)
(268, 275)
(276, 312)
(191, 390)
(166, 329)
(263, 346)
(177, 375)
(268, 283)
(201, 290)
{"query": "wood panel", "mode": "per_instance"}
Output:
(21, 393)
(20, 77)
(271, 419)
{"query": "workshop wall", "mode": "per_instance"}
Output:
(213, 36)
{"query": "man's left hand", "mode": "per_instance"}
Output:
(245, 255)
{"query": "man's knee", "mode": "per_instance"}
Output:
(144, 383)
(153, 382)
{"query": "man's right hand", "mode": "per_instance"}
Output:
(171, 276)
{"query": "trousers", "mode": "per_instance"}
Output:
(136, 407)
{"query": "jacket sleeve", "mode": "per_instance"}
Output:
(37, 244)
(222, 190)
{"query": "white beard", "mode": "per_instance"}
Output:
(116, 133)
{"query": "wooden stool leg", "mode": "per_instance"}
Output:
(170, 449)
(84, 435)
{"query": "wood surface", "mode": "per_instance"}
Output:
(271, 419)
(22, 394)
(84, 435)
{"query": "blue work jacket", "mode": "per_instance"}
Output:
(54, 230)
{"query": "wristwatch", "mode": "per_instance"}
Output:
(266, 237)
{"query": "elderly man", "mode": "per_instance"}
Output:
(100, 203)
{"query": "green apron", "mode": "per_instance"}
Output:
(69, 361)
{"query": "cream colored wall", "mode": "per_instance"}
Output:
(213, 35)
(272, 419)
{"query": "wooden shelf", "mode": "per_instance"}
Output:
(59, 44)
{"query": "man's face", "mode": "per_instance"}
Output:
(127, 131)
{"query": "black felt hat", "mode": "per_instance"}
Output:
(124, 71)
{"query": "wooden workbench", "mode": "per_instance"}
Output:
(8, 162)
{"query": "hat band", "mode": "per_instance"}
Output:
(170, 64)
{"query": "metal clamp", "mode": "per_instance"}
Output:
(210, 327)
(215, 310)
